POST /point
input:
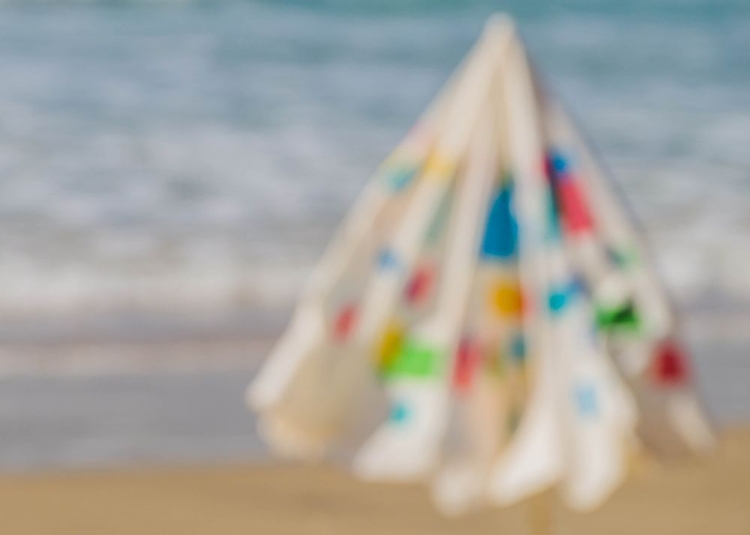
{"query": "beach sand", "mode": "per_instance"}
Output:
(695, 497)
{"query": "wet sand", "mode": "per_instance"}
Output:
(692, 498)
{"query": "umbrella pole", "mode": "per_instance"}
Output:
(539, 510)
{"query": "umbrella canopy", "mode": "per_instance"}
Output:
(486, 318)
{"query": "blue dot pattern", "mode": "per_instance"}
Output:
(401, 178)
(560, 164)
(586, 400)
(561, 296)
(500, 239)
(387, 260)
(518, 349)
(400, 413)
(558, 298)
(577, 286)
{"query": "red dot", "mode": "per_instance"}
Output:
(575, 212)
(345, 321)
(468, 358)
(671, 366)
(418, 287)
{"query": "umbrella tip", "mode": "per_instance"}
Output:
(500, 24)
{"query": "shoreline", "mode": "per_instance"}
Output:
(135, 342)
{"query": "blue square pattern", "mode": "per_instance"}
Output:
(586, 400)
(400, 413)
(401, 178)
(561, 163)
(388, 260)
(500, 240)
(518, 349)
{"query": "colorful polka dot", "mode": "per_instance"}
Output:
(671, 366)
(558, 163)
(400, 413)
(468, 357)
(518, 348)
(344, 322)
(400, 178)
(419, 286)
(439, 166)
(623, 317)
(586, 400)
(500, 239)
(388, 260)
(416, 360)
(562, 295)
(557, 300)
(573, 206)
(506, 300)
(390, 345)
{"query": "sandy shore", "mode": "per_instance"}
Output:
(697, 498)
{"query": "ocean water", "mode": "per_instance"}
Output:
(198, 155)
(103, 420)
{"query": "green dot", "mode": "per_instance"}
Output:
(623, 317)
(417, 360)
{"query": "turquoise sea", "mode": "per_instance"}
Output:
(170, 155)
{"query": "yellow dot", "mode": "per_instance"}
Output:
(390, 344)
(439, 166)
(506, 299)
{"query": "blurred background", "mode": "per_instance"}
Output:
(170, 170)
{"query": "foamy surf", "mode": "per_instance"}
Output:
(166, 159)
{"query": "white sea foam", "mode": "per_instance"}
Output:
(196, 157)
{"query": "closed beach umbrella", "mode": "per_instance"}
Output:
(486, 318)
